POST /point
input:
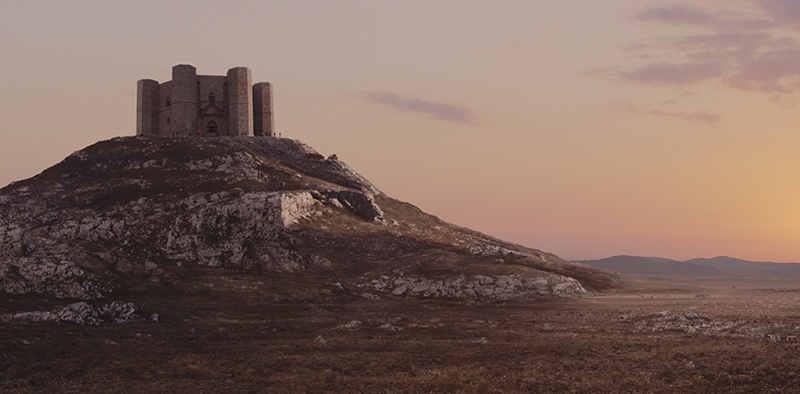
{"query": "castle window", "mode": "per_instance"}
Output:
(211, 97)
(167, 101)
(167, 120)
(211, 128)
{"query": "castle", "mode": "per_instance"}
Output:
(208, 105)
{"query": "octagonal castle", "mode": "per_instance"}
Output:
(207, 105)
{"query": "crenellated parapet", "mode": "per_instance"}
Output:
(204, 105)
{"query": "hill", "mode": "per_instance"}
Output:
(136, 215)
(653, 266)
(696, 268)
(734, 266)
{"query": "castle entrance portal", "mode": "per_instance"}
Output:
(211, 128)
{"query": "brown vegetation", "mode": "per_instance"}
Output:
(241, 332)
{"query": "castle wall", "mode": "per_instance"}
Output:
(165, 110)
(239, 102)
(262, 110)
(147, 107)
(212, 105)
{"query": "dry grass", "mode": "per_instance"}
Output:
(235, 337)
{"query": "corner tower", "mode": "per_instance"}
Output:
(147, 107)
(239, 105)
(182, 102)
(262, 110)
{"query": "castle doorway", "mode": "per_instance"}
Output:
(211, 127)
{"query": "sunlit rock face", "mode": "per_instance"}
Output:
(137, 213)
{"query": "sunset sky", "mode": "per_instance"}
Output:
(584, 128)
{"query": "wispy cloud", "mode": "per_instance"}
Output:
(786, 12)
(745, 48)
(455, 113)
(704, 117)
(676, 14)
(672, 73)
(689, 15)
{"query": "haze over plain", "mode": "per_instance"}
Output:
(587, 129)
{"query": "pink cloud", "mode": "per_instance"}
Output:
(676, 15)
(671, 73)
(740, 50)
(775, 71)
(684, 15)
(455, 113)
(705, 117)
(784, 12)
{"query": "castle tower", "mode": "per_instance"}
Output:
(262, 110)
(147, 107)
(183, 102)
(204, 105)
(239, 106)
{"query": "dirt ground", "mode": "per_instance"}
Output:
(242, 333)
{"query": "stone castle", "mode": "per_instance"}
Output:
(207, 105)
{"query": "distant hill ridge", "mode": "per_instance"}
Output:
(699, 267)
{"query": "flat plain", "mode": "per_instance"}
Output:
(248, 333)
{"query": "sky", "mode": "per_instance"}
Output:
(580, 127)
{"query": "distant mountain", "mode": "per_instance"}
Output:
(701, 267)
(734, 266)
(652, 266)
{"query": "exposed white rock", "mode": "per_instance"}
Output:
(63, 279)
(495, 287)
(81, 313)
(693, 323)
(351, 325)
(289, 208)
(492, 250)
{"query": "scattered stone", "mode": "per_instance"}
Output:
(391, 327)
(501, 287)
(81, 313)
(351, 325)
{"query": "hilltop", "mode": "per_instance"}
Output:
(144, 214)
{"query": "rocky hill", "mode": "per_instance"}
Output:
(142, 214)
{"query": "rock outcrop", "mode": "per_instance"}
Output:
(81, 313)
(502, 287)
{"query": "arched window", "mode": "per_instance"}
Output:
(211, 97)
(168, 101)
(211, 127)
